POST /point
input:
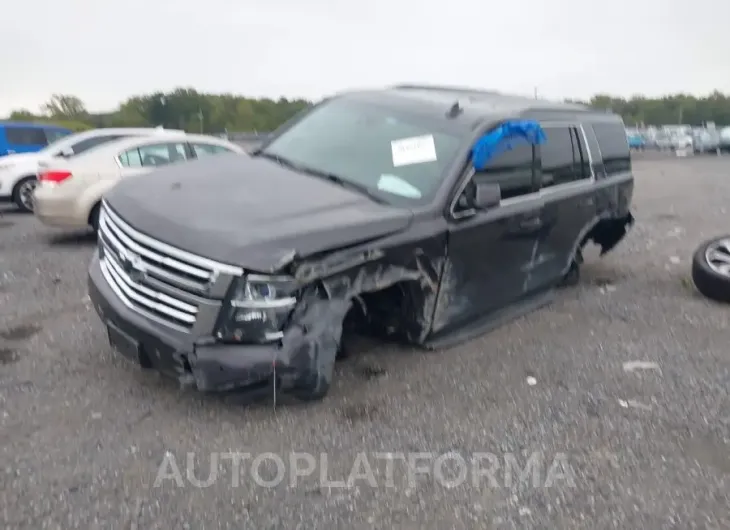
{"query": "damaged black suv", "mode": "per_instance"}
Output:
(426, 213)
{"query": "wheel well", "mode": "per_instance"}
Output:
(93, 210)
(386, 313)
(17, 183)
(608, 232)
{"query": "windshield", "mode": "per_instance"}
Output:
(396, 155)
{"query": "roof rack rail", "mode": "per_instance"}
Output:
(443, 88)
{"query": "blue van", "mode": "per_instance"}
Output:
(18, 137)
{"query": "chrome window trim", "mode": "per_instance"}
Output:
(585, 182)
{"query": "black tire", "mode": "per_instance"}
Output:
(572, 278)
(709, 282)
(94, 218)
(17, 193)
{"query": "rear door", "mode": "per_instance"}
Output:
(490, 251)
(25, 139)
(568, 190)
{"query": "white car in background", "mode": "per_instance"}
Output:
(681, 141)
(662, 140)
(724, 139)
(70, 191)
(18, 172)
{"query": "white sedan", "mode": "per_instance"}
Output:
(69, 192)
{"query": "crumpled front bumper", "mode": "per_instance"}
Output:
(203, 363)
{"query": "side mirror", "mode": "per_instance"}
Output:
(66, 152)
(488, 195)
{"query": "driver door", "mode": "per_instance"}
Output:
(490, 250)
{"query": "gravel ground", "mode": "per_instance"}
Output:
(83, 434)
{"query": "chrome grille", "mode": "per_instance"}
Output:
(164, 283)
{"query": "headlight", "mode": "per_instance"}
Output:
(257, 309)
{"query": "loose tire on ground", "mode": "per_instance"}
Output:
(709, 282)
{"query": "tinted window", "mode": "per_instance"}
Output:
(402, 156)
(153, 155)
(512, 170)
(614, 147)
(90, 143)
(563, 157)
(202, 150)
(25, 136)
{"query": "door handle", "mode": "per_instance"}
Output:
(532, 223)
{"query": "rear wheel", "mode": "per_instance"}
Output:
(572, 278)
(23, 193)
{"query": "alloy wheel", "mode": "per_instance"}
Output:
(26, 193)
(718, 257)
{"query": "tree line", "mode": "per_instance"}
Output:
(183, 108)
(193, 111)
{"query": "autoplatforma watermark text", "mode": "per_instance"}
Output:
(377, 469)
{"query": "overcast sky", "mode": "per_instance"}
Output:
(105, 51)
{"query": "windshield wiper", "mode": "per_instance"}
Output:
(364, 190)
(276, 158)
(360, 188)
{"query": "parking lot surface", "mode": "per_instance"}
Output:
(84, 434)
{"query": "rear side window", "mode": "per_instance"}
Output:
(90, 143)
(202, 150)
(563, 156)
(25, 136)
(153, 155)
(512, 170)
(614, 147)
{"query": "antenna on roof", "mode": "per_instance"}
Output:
(455, 110)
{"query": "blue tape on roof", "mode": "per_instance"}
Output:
(502, 139)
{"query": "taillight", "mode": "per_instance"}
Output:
(54, 176)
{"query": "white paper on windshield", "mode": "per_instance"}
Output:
(398, 186)
(415, 150)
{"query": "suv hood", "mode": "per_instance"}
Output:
(250, 212)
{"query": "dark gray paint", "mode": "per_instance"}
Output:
(250, 212)
(337, 244)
